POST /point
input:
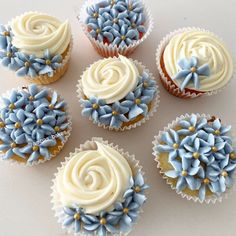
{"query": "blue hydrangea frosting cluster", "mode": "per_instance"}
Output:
(116, 22)
(202, 155)
(31, 121)
(190, 72)
(23, 64)
(120, 219)
(115, 114)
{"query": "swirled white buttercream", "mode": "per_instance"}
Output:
(94, 179)
(110, 79)
(35, 32)
(208, 49)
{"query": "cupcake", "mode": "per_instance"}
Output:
(98, 190)
(36, 46)
(115, 26)
(118, 93)
(193, 62)
(196, 155)
(34, 125)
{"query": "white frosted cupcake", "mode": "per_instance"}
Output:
(98, 190)
(193, 62)
(36, 46)
(118, 93)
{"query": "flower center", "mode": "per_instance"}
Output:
(39, 122)
(130, 7)
(115, 113)
(196, 155)
(123, 37)
(145, 84)
(77, 216)
(175, 145)
(115, 20)
(48, 62)
(224, 173)
(51, 106)
(137, 101)
(137, 189)
(103, 221)
(95, 15)
(214, 149)
(2, 125)
(31, 98)
(13, 145)
(9, 54)
(232, 155)
(206, 181)
(184, 173)
(126, 210)
(17, 125)
(113, 2)
(191, 129)
(12, 106)
(57, 128)
(95, 106)
(133, 25)
(6, 33)
(27, 64)
(217, 132)
(98, 31)
(193, 69)
(35, 148)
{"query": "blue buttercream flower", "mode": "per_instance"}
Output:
(224, 170)
(137, 22)
(137, 189)
(27, 65)
(115, 115)
(192, 125)
(218, 129)
(7, 57)
(231, 152)
(136, 103)
(5, 36)
(102, 224)
(125, 36)
(39, 149)
(94, 108)
(56, 105)
(9, 147)
(73, 216)
(115, 18)
(48, 64)
(100, 30)
(173, 144)
(134, 7)
(126, 213)
(185, 172)
(190, 71)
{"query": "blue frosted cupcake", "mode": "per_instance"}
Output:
(34, 125)
(196, 155)
(115, 27)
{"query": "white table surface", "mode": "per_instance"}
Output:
(25, 208)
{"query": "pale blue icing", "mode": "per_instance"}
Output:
(203, 158)
(23, 64)
(116, 22)
(32, 122)
(190, 72)
(119, 220)
(133, 105)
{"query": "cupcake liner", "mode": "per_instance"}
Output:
(157, 139)
(59, 72)
(154, 103)
(55, 198)
(169, 85)
(106, 50)
(59, 147)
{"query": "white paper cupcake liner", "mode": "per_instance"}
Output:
(154, 103)
(67, 135)
(55, 198)
(169, 85)
(106, 50)
(157, 140)
(58, 73)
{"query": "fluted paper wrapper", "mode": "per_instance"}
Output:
(58, 73)
(106, 50)
(153, 106)
(59, 147)
(55, 198)
(157, 140)
(168, 84)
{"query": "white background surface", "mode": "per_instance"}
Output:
(25, 208)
